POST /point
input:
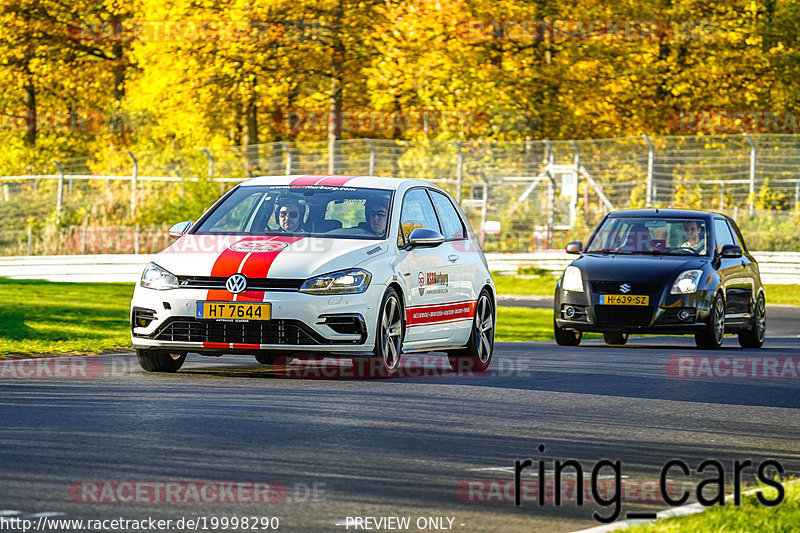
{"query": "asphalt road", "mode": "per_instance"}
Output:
(405, 447)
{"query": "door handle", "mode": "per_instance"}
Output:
(453, 258)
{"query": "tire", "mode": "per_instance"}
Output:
(566, 337)
(615, 338)
(754, 337)
(155, 361)
(714, 332)
(390, 330)
(477, 354)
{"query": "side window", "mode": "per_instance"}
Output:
(448, 216)
(417, 212)
(722, 233)
(236, 218)
(735, 235)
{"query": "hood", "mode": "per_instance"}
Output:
(598, 267)
(265, 256)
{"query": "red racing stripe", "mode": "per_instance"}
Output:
(336, 181)
(216, 345)
(258, 265)
(306, 180)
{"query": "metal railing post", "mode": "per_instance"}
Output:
(210, 162)
(60, 193)
(288, 153)
(752, 195)
(573, 202)
(651, 155)
(371, 157)
(134, 179)
(459, 171)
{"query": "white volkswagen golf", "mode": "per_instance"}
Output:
(312, 266)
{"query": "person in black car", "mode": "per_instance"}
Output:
(693, 233)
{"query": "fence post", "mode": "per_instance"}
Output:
(752, 195)
(288, 153)
(60, 193)
(136, 239)
(83, 238)
(797, 194)
(459, 171)
(210, 157)
(371, 157)
(573, 201)
(134, 179)
(651, 156)
(30, 239)
(550, 156)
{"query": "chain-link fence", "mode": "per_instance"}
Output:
(534, 187)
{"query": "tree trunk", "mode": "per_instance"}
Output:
(337, 75)
(31, 123)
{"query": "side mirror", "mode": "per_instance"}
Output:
(574, 247)
(179, 229)
(731, 251)
(425, 238)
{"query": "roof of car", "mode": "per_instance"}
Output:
(370, 182)
(680, 213)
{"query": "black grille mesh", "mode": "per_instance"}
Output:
(291, 332)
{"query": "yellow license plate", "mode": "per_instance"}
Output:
(233, 310)
(624, 299)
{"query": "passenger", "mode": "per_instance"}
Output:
(376, 211)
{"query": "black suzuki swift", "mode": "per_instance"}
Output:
(662, 271)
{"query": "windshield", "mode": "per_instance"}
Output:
(333, 212)
(655, 236)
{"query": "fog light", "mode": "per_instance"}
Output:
(569, 311)
(684, 315)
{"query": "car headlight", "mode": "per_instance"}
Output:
(155, 277)
(687, 282)
(352, 281)
(573, 280)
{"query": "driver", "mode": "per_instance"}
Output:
(289, 215)
(691, 230)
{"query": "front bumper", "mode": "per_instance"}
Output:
(299, 323)
(662, 316)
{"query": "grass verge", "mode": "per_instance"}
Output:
(45, 317)
(546, 286)
(750, 516)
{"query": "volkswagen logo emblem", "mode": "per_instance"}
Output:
(236, 284)
(625, 288)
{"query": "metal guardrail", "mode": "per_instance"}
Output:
(779, 268)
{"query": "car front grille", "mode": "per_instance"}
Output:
(253, 284)
(623, 315)
(637, 287)
(290, 332)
